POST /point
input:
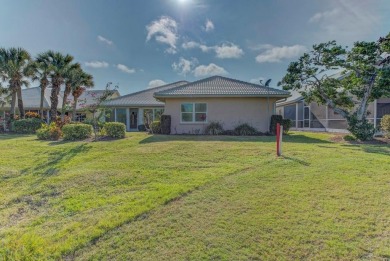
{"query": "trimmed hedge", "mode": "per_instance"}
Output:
(29, 126)
(385, 125)
(156, 127)
(79, 131)
(115, 130)
(165, 123)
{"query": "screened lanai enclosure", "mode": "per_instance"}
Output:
(314, 116)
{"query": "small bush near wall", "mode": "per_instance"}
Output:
(156, 127)
(165, 124)
(49, 132)
(245, 130)
(115, 130)
(141, 127)
(274, 120)
(79, 131)
(31, 114)
(385, 125)
(286, 123)
(214, 128)
(29, 126)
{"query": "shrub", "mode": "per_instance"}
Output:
(49, 132)
(286, 123)
(141, 127)
(165, 124)
(385, 125)
(245, 130)
(228, 132)
(214, 128)
(79, 131)
(61, 123)
(27, 125)
(31, 114)
(156, 127)
(115, 130)
(274, 120)
(361, 129)
(349, 138)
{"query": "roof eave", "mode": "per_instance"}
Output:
(222, 96)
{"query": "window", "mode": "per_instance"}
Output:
(193, 112)
(80, 117)
(121, 115)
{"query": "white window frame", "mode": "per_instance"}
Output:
(194, 113)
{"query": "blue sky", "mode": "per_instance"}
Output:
(137, 44)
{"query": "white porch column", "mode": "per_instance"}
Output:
(128, 119)
(140, 116)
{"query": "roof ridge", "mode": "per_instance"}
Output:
(145, 90)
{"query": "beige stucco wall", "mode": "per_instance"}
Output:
(230, 112)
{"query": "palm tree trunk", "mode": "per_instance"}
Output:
(13, 103)
(41, 103)
(74, 108)
(54, 101)
(20, 102)
(64, 101)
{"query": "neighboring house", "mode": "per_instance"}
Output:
(132, 109)
(219, 99)
(316, 117)
(32, 98)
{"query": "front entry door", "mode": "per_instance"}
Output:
(133, 118)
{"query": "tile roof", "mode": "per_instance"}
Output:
(32, 98)
(142, 98)
(217, 86)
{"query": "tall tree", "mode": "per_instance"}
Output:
(365, 76)
(71, 76)
(80, 83)
(41, 69)
(14, 69)
(59, 66)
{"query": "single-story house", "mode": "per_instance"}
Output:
(132, 109)
(32, 98)
(317, 117)
(231, 102)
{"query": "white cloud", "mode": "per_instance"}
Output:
(105, 40)
(96, 64)
(125, 69)
(183, 67)
(273, 54)
(228, 50)
(164, 31)
(209, 70)
(209, 26)
(223, 51)
(156, 83)
(346, 21)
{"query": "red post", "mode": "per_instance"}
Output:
(278, 139)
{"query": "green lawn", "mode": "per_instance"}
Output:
(194, 197)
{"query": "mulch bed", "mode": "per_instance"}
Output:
(375, 141)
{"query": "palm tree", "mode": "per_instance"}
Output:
(82, 81)
(71, 78)
(59, 64)
(41, 70)
(14, 69)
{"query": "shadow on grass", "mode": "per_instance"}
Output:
(294, 138)
(9, 136)
(302, 162)
(55, 158)
(377, 149)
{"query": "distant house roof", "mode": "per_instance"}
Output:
(32, 98)
(218, 86)
(142, 98)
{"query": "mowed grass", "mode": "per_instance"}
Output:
(194, 197)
